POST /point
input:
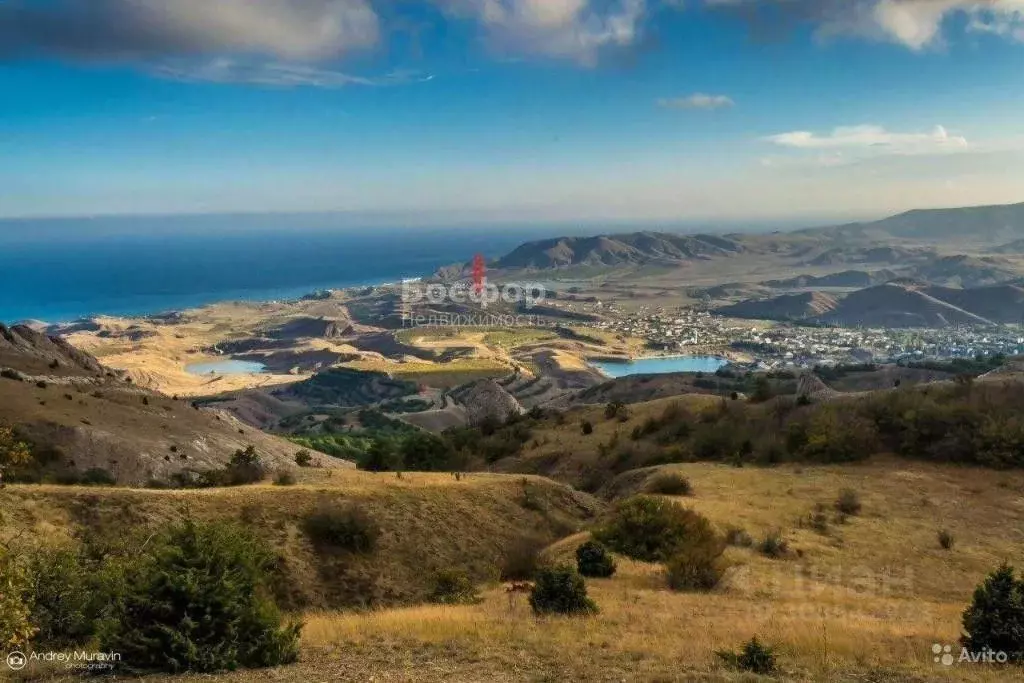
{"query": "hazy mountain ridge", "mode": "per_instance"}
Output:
(616, 250)
(900, 303)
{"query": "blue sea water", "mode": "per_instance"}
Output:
(661, 365)
(60, 270)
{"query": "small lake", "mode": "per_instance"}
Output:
(226, 367)
(660, 365)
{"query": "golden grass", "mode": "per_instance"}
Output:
(864, 602)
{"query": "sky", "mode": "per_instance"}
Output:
(511, 110)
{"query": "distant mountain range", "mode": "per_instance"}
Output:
(977, 224)
(893, 304)
(997, 229)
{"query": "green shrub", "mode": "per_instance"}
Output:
(64, 592)
(946, 539)
(697, 568)
(16, 602)
(454, 587)
(773, 545)
(594, 560)
(995, 618)
(560, 590)
(754, 657)
(304, 458)
(198, 601)
(586, 427)
(344, 527)
(668, 484)
(654, 529)
(848, 502)
(245, 467)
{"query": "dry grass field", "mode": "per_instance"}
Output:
(862, 600)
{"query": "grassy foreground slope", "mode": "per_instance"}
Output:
(863, 600)
(427, 522)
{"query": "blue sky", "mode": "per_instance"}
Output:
(511, 110)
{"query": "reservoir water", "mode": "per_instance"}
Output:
(660, 365)
(226, 367)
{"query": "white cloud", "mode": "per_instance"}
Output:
(871, 139)
(917, 24)
(298, 30)
(571, 29)
(696, 101)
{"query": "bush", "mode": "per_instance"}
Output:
(754, 657)
(615, 410)
(696, 569)
(774, 545)
(345, 527)
(304, 458)
(995, 618)
(198, 601)
(560, 590)
(284, 478)
(848, 502)
(946, 539)
(738, 536)
(454, 587)
(654, 529)
(594, 560)
(245, 467)
(522, 559)
(668, 484)
(586, 427)
(63, 597)
(16, 627)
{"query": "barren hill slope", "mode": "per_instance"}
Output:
(785, 307)
(899, 305)
(77, 416)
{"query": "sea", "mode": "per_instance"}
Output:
(59, 270)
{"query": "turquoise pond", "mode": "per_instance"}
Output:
(226, 367)
(660, 365)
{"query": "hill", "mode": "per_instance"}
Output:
(899, 303)
(77, 417)
(427, 522)
(980, 224)
(617, 250)
(785, 307)
(844, 279)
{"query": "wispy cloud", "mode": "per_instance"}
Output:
(696, 101)
(277, 74)
(871, 138)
